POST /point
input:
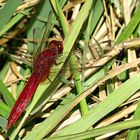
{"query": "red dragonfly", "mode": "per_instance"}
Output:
(41, 71)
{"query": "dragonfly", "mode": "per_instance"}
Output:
(41, 70)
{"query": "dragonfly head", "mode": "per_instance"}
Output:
(57, 45)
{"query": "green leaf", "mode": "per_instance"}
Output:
(128, 30)
(115, 99)
(7, 11)
(4, 109)
(6, 94)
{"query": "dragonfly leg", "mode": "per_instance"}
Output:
(67, 82)
(59, 61)
(49, 80)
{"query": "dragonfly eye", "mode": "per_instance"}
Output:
(57, 45)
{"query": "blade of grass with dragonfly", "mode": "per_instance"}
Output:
(37, 23)
(68, 42)
(13, 21)
(41, 32)
(46, 33)
(49, 26)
